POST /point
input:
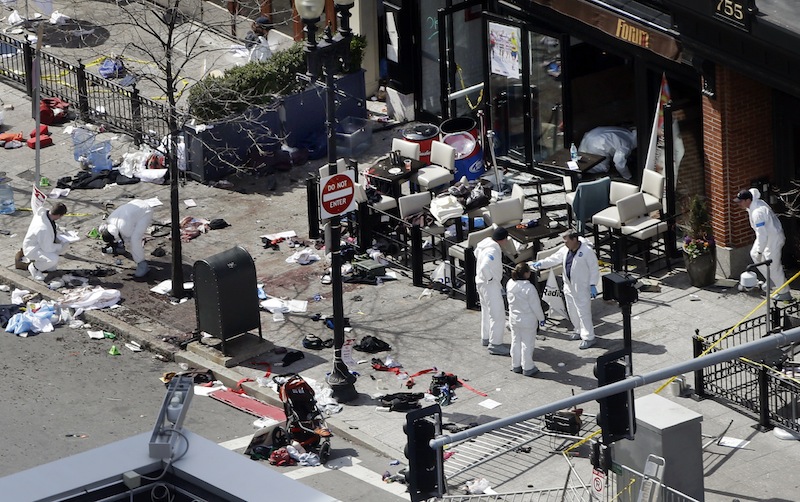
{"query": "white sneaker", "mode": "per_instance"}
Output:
(35, 273)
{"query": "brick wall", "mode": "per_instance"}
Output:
(737, 140)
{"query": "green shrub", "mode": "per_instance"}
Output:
(258, 84)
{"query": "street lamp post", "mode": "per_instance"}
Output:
(326, 56)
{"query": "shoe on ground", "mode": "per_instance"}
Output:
(575, 336)
(783, 297)
(587, 344)
(35, 273)
(517, 369)
(485, 343)
(497, 350)
(530, 372)
(326, 279)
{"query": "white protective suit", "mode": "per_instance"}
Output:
(41, 244)
(488, 277)
(524, 314)
(128, 223)
(577, 287)
(615, 143)
(769, 240)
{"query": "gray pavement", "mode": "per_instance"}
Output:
(424, 331)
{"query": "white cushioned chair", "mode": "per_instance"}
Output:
(653, 189)
(639, 225)
(407, 149)
(442, 168)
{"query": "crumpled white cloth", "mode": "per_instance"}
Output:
(18, 295)
(326, 403)
(310, 459)
(90, 297)
(303, 257)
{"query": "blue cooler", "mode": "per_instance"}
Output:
(469, 155)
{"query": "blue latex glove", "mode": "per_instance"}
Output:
(537, 265)
(594, 291)
(541, 324)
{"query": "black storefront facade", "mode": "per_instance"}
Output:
(544, 72)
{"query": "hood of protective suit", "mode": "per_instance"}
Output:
(756, 193)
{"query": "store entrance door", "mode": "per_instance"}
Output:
(525, 93)
(462, 65)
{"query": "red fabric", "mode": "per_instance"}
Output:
(46, 115)
(239, 389)
(281, 457)
(43, 131)
(43, 141)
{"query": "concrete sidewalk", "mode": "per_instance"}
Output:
(424, 331)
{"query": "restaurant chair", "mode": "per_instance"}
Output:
(508, 213)
(609, 218)
(589, 198)
(341, 166)
(407, 149)
(442, 168)
(637, 224)
(457, 251)
(653, 189)
(415, 203)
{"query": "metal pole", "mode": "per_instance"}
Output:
(754, 266)
(774, 341)
(37, 84)
(669, 172)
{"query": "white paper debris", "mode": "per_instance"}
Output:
(732, 442)
(489, 403)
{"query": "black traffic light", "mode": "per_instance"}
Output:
(617, 417)
(425, 477)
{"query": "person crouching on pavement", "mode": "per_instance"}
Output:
(488, 279)
(41, 245)
(128, 224)
(259, 28)
(581, 273)
(769, 239)
(525, 316)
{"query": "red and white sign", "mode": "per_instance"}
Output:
(337, 195)
(598, 483)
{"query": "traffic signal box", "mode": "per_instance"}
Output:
(425, 476)
(617, 416)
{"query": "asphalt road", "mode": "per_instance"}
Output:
(63, 394)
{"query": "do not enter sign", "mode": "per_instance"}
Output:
(337, 195)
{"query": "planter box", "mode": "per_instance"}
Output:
(214, 150)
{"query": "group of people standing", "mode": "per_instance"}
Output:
(581, 274)
(525, 314)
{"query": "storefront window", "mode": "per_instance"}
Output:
(429, 49)
(545, 84)
(512, 91)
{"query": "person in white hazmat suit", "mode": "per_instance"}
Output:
(41, 245)
(525, 316)
(769, 239)
(128, 224)
(488, 279)
(614, 143)
(581, 273)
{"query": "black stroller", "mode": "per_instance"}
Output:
(305, 423)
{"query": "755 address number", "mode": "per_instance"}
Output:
(733, 11)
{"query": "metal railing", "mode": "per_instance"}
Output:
(95, 99)
(755, 384)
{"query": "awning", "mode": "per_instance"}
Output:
(617, 26)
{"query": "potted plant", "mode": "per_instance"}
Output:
(699, 248)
